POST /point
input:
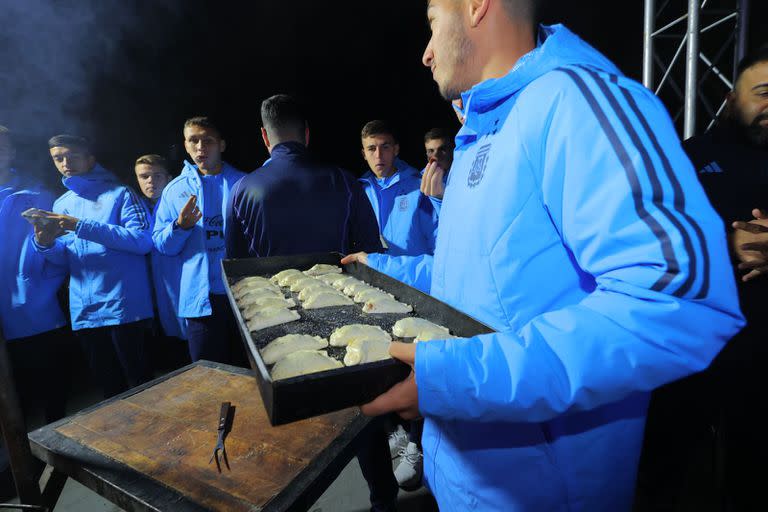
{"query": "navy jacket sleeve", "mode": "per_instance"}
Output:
(234, 235)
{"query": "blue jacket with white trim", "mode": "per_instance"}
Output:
(105, 255)
(187, 246)
(28, 283)
(407, 219)
(574, 225)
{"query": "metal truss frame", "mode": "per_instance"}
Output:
(711, 29)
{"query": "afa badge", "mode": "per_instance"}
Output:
(403, 203)
(477, 171)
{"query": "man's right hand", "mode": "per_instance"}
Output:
(358, 257)
(189, 214)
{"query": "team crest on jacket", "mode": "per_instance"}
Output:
(478, 166)
(403, 204)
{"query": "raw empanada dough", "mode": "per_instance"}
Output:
(385, 305)
(326, 299)
(411, 327)
(271, 317)
(284, 345)
(366, 351)
(343, 336)
(322, 269)
(303, 362)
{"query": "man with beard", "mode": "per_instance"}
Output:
(575, 227)
(731, 160)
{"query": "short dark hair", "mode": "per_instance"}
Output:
(530, 9)
(755, 57)
(437, 133)
(283, 117)
(377, 127)
(203, 122)
(155, 160)
(70, 141)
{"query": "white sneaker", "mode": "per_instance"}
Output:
(397, 441)
(408, 472)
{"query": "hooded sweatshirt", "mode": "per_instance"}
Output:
(407, 219)
(574, 226)
(28, 283)
(189, 247)
(105, 255)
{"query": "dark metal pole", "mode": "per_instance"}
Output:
(15, 434)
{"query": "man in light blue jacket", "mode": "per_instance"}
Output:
(189, 226)
(32, 321)
(102, 238)
(407, 219)
(575, 227)
(438, 146)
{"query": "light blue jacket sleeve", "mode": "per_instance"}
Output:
(167, 240)
(415, 271)
(55, 254)
(132, 235)
(612, 188)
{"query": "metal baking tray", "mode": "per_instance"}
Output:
(323, 392)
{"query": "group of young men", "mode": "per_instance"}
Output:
(573, 224)
(129, 258)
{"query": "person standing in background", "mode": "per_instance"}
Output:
(189, 227)
(407, 220)
(439, 147)
(101, 235)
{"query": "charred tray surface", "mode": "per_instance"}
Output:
(318, 393)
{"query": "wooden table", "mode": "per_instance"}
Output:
(148, 449)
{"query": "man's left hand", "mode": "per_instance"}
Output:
(403, 397)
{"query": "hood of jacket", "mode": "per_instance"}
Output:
(96, 180)
(557, 47)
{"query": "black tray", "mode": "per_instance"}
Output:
(319, 393)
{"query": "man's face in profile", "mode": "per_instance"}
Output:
(71, 161)
(749, 104)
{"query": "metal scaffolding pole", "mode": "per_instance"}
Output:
(714, 41)
(691, 69)
(648, 25)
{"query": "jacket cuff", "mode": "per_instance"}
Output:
(377, 261)
(84, 228)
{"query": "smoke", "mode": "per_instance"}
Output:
(53, 56)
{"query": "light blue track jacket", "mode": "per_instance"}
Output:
(28, 282)
(105, 255)
(165, 280)
(574, 225)
(187, 246)
(407, 219)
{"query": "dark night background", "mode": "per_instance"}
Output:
(127, 73)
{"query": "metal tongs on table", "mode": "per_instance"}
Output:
(225, 425)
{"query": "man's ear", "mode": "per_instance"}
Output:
(265, 138)
(397, 149)
(91, 161)
(306, 136)
(222, 145)
(478, 9)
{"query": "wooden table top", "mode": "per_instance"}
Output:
(165, 432)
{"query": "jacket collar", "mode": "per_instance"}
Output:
(402, 171)
(96, 179)
(287, 150)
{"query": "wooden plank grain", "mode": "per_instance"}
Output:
(168, 431)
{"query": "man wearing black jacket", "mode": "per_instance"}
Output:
(294, 204)
(726, 400)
